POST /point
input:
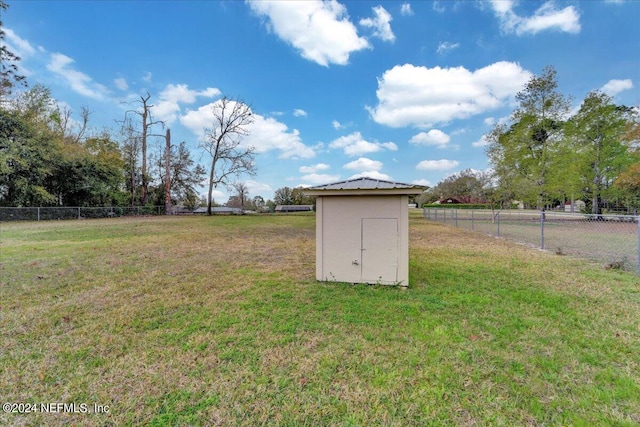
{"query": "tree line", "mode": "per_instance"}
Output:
(546, 155)
(49, 159)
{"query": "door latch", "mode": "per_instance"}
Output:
(355, 262)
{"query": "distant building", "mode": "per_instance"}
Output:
(578, 206)
(462, 200)
(220, 210)
(294, 208)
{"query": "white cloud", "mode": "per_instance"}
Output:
(380, 23)
(318, 179)
(615, 86)
(437, 165)
(435, 137)
(406, 10)
(182, 93)
(364, 164)
(490, 121)
(320, 30)
(355, 145)
(421, 96)
(482, 142)
(147, 77)
(299, 113)
(445, 47)
(258, 188)
(81, 83)
(371, 174)
(217, 195)
(546, 17)
(170, 98)
(121, 83)
(17, 45)
(314, 168)
(338, 126)
(269, 134)
(437, 7)
(424, 182)
(265, 133)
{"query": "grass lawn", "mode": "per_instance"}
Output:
(219, 321)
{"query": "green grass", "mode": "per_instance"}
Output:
(606, 242)
(219, 321)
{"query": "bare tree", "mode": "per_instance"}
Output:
(167, 173)
(147, 122)
(69, 130)
(131, 150)
(243, 193)
(229, 158)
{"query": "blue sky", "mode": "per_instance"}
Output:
(339, 89)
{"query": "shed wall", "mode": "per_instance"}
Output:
(340, 224)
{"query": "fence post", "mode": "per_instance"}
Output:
(78, 213)
(38, 213)
(498, 222)
(542, 218)
(472, 219)
(638, 221)
(456, 212)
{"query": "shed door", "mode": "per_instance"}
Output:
(380, 250)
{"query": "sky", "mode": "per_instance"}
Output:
(393, 90)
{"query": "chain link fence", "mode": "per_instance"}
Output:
(51, 213)
(610, 239)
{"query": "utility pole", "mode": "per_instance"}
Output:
(167, 175)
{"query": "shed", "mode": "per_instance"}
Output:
(362, 231)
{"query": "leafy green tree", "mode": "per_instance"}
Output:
(48, 162)
(9, 74)
(38, 108)
(524, 153)
(467, 185)
(299, 198)
(130, 148)
(185, 176)
(258, 203)
(597, 135)
(628, 185)
(26, 162)
(283, 196)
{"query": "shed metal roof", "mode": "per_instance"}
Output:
(362, 184)
(367, 184)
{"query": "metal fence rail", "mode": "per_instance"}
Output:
(611, 239)
(53, 212)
